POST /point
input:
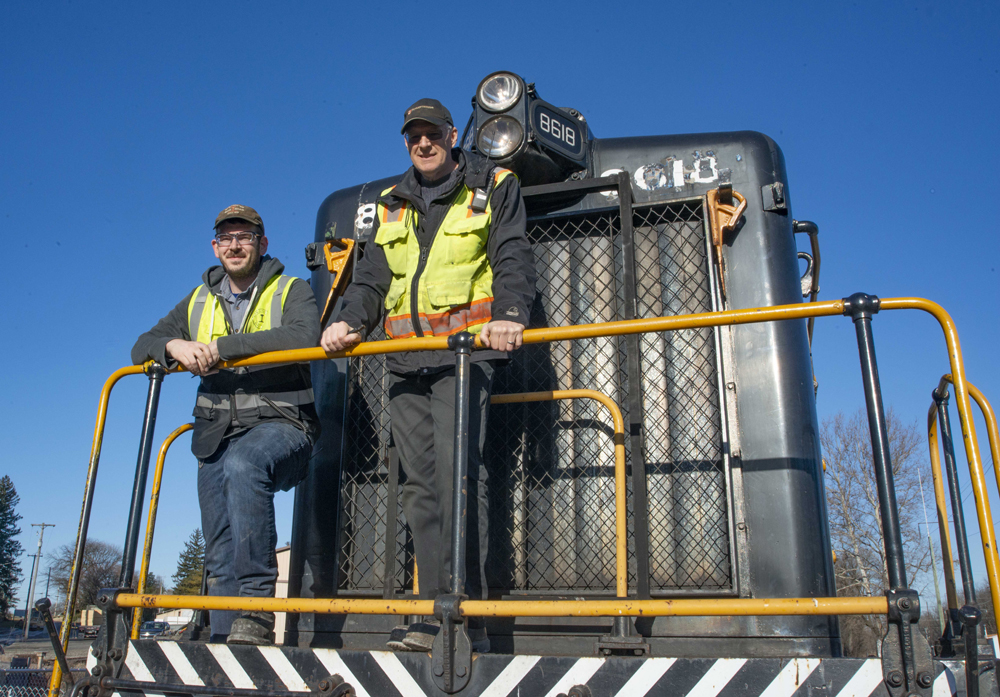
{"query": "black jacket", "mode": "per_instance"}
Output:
(299, 329)
(507, 250)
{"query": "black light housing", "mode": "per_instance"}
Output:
(512, 126)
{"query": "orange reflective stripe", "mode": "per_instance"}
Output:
(457, 319)
(394, 214)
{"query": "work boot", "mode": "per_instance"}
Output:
(254, 628)
(420, 635)
(396, 637)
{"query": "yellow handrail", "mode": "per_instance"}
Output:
(621, 533)
(968, 431)
(994, 438)
(620, 328)
(702, 607)
(942, 509)
(154, 500)
(621, 530)
(992, 431)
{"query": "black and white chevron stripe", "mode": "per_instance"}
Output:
(387, 674)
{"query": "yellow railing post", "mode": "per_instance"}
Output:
(942, 510)
(621, 515)
(968, 432)
(154, 500)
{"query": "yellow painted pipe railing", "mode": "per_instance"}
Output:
(992, 431)
(994, 438)
(625, 327)
(940, 502)
(621, 530)
(154, 501)
(702, 607)
(621, 533)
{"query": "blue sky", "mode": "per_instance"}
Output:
(125, 128)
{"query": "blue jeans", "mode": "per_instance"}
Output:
(236, 488)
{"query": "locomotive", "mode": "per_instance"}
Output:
(658, 520)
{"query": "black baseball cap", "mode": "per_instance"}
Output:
(429, 110)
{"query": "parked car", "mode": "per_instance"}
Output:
(89, 631)
(151, 630)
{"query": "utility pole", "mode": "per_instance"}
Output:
(48, 580)
(27, 604)
(930, 546)
(34, 574)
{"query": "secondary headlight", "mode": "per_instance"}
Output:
(500, 136)
(499, 92)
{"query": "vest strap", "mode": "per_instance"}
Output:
(197, 309)
(277, 300)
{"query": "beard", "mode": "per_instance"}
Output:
(242, 268)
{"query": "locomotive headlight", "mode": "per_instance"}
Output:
(499, 137)
(499, 92)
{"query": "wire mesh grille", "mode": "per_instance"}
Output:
(551, 464)
(364, 481)
(553, 515)
(688, 522)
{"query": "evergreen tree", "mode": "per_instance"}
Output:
(187, 580)
(10, 548)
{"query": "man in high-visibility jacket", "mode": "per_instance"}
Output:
(254, 427)
(447, 253)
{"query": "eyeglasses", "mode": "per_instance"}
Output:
(433, 136)
(244, 238)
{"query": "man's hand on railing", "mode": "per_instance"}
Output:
(338, 336)
(502, 335)
(196, 357)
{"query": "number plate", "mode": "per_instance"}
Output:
(557, 131)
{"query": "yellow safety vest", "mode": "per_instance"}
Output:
(455, 289)
(265, 313)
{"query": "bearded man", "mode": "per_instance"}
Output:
(254, 427)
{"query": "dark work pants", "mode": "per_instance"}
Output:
(422, 408)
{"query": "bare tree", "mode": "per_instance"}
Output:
(984, 601)
(855, 521)
(102, 563)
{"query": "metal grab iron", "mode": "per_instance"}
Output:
(962, 538)
(451, 655)
(723, 217)
(338, 256)
(907, 661)
(44, 607)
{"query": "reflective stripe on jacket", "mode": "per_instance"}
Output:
(452, 281)
(240, 398)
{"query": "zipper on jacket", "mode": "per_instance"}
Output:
(414, 307)
(424, 253)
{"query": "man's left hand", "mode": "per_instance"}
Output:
(502, 335)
